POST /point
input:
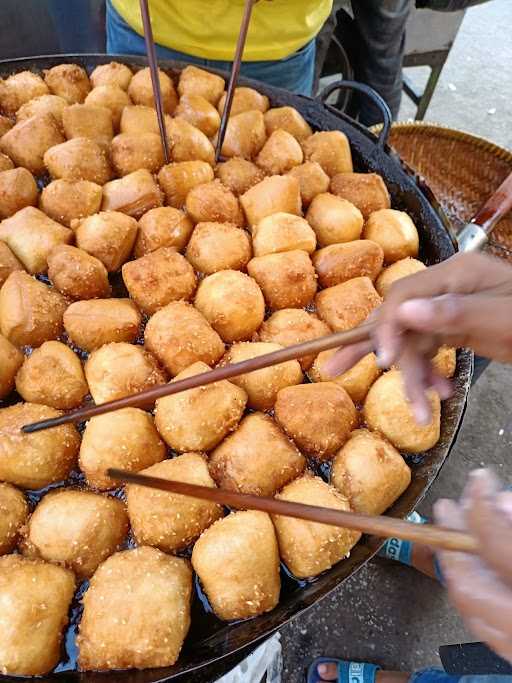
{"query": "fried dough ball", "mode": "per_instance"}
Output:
(18, 89)
(309, 548)
(369, 472)
(88, 121)
(331, 149)
(131, 151)
(53, 376)
(280, 153)
(402, 268)
(293, 326)
(30, 311)
(33, 461)
(98, 527)
(198, 419)
(445, 361)
(239, 175)
(69, 200)
(232, 303)
(120, 369)
(156, 279)
(387, 411)
(200, 113)
(110, 97)
(109, 236)
(5, 163)
(168, 521)
(113, 73)
(5, 125)
(218, 246)
(77, 274)
(36, 597)
(12, 360)
(237, 562)
(178, 335)
(136, 118)
(274, 194)
(195, 81)
(244, 99)
(78, 159)
(395, 232)
(313, 180)
(31, 235)
(124, 438)
(339, 263)
(245, 135)
(8, 263)
(334, 220)
(257, 458)
(177, 180)
(188, 143)
(90, 324)
(347, 305)
(287, 280)
(282, 232)
(318, 417)
(367, 191)
(163, 226)
(28, 141)
(212, 202)
(356, 381)
(288, 119)
(13, 515)
(44, 104)
(69, 81)
(263, 385)
(141, 90)
(134, 194)
(136, 611)
(18, 189)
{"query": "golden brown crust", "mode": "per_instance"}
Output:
(136, 611)
(77, 274)
(156, 279)
(271, 195)
(212, 202)
(395, 232)
(334, 220)
(13, 515)
(109, 236)
(331, 150)
(18, 189)
(162, 226)
(199, 112)
(188, 143)
(238, 581)
(68, 81)
(28, 141)
(141, 90)
(90, 324)
(134, 194)
(33, 461)
(347, 305)
(282, 232)
(367, 191)
(113, 73)
(178, 179)
(110, 97)
(68, 200)
(78, 159)
(125, 438)
(280, 153)
(287, 279)
(195, 81)
(88, 121)
(356, 381)
(130, 152)
(43, 104)
(245, 135)
(239, 175)
(398, 269)
(339, 263)
(313, 180)
(18, 89)
(218, 246)
(288, 119)
(245, 99)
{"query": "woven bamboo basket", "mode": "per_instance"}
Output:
(461, 169)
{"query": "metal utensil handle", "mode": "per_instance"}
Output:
(476, 233)
(369, 92)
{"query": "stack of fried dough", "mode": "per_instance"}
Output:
(279, 244)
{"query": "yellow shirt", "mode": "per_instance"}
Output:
(209, 28)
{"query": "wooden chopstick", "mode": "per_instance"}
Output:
(385, 527)
(235, 70)
(149, 396)
(155, 79)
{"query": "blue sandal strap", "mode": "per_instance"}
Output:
(348, 672)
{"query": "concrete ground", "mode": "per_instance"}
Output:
(389, 614)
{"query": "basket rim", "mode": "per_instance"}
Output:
(441, 130)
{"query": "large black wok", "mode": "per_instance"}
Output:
(210, 639)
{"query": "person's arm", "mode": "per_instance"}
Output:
(465, 301)
(480, 586)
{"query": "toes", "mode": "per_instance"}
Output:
(328, 672)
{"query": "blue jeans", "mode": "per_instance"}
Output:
(294, 73)
(439, 676)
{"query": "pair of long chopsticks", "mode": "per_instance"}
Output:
(148, 397)
(427, 534)
(155, 81)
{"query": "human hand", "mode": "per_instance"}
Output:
(463, 301)
(480, 586)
